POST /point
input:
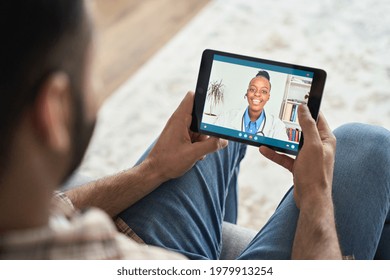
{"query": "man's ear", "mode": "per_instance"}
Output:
(52, 112)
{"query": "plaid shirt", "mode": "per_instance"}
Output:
(72, 234)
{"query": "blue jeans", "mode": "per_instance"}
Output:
(186, 214)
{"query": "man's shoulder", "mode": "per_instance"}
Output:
(86, 234)
(99, 231)
(81, 235)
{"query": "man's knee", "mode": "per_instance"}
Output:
(361, 130)
(364, 138)
(364, 149)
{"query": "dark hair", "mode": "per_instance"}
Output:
(264, 74)
(39, 38)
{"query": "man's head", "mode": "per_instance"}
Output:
(258, 92)
(44, 79)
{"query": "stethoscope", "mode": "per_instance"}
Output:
(260, 132)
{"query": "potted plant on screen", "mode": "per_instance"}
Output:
(215, 96)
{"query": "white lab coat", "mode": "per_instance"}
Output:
(271, 126)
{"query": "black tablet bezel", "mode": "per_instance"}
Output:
(314, 101)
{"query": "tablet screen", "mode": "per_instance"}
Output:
(254, 101)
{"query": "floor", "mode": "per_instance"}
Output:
(131, 31)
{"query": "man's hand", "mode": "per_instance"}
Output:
(313, 167)
(178, 149)
(315, 236)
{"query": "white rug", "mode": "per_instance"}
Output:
(349, 39)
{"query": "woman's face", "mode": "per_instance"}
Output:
(258, 94)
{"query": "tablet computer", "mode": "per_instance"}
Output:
(254, 100)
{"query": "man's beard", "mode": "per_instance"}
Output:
(82, 134)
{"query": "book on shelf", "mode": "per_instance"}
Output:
(291, 112)
(288, 112)
(294, 134)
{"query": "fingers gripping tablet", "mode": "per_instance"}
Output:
(255, 101)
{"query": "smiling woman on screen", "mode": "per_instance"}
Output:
(255, 120)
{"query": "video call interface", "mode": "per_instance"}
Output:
(258, 110)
